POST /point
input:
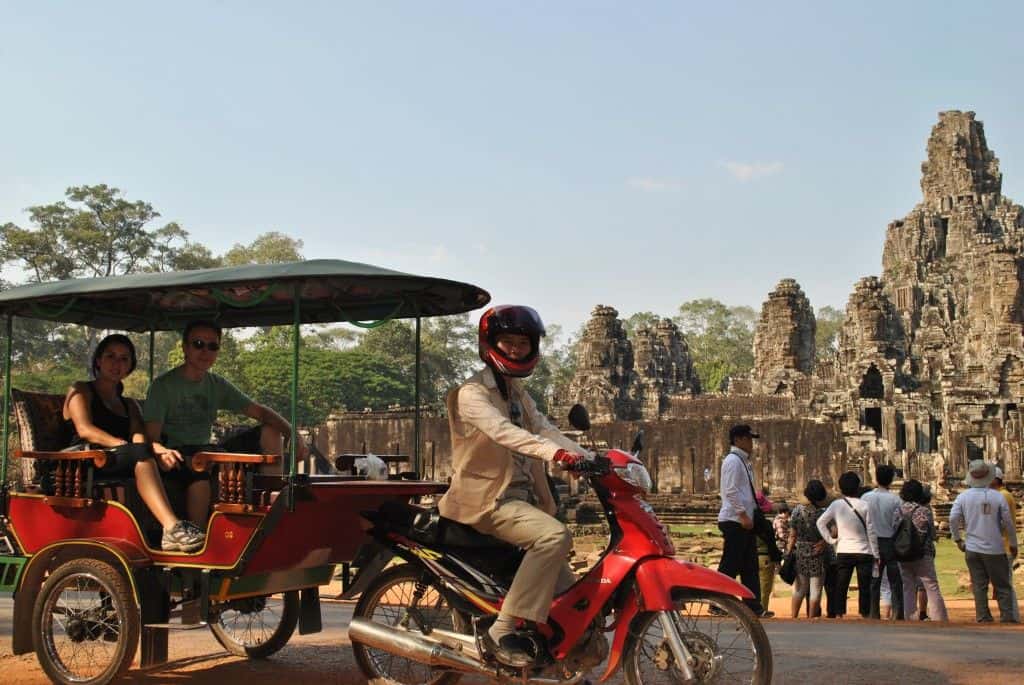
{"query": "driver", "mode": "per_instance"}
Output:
(500, 444)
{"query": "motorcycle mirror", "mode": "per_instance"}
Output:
(638, 442)
(579, 418)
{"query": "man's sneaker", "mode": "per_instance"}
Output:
(185, 536)
(767, 614)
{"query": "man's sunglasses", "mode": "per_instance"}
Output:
(203, 345)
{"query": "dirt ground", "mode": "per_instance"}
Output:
(847, 652)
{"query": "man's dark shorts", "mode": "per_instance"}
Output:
(243, 441)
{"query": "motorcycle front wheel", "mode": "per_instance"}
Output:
(726, 641)
(404, 597)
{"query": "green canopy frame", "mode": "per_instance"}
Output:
(314, 291)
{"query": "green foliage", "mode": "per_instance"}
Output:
(95, 233)
(720, 337)
(639, 320)
(328, 380)
(268, 248)
(829, 322)
(448, 351)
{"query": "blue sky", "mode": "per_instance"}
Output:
(560, 154)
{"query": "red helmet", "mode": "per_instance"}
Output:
(510, 318)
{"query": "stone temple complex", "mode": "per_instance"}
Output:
(929, 370)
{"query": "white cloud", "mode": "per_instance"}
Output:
(655, 185)
(748, 171)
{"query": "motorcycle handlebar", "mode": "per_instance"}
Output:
(598, 466)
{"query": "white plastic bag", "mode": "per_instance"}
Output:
(371, 466)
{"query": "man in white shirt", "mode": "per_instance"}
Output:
(736, 517)
(985, 516)
(855, 541)
(883, 505)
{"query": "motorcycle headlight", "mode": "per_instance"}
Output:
(636, 475)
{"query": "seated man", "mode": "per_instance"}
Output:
(181, 407)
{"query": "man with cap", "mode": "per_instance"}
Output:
(985, 516)
(736, 517)
(997, 485)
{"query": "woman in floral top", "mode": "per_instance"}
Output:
(923, 570)
(810, 549)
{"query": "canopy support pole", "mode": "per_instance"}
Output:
(416, 414)
(294, 439)
(9, 331)
(152, 345)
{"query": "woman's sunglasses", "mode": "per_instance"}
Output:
(203, 345)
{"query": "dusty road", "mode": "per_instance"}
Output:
(851, 652)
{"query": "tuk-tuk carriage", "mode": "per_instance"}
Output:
(88, 582)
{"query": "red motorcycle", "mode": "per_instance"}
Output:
(669, 621)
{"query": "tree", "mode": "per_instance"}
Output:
(268, 248)
(98, 234)
(826, 337)
(638, 321)
(720, 337)
(447, 345)
(328, 380)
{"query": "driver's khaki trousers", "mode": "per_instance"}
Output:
(544, 569)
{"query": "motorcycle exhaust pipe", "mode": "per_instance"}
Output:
(410, 646)
(427, 651)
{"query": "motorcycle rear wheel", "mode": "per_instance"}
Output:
(723, 636)
(387, 600)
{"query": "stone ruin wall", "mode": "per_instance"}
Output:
(676, 451)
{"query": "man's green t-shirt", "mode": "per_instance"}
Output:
(187, 409)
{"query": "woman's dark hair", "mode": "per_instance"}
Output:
(815, 491)
(113, 339)
(912, 491)
(849, 484)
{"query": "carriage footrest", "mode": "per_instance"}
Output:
(176, 626)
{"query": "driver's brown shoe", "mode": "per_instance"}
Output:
(513, 650)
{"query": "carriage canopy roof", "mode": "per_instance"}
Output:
(253, 295)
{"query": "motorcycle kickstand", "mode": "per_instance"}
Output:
(675, 642)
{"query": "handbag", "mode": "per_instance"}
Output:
(788, 570)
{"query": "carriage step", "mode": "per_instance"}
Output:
(176, 626)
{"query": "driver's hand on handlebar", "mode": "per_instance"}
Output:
(569, 460)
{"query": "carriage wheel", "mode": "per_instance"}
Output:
(85, 623)
(256, 627)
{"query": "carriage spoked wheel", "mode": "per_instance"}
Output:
(256, 627)
(85, 623)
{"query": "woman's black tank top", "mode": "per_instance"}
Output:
(106, 420)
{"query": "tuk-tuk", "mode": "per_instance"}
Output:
(89, 584)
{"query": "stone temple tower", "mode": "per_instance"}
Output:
(784, 345)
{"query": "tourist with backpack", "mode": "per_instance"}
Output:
(883, 505)
(914, 547)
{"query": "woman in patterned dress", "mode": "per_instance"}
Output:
(810, 549)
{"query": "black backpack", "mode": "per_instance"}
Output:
(908, 541)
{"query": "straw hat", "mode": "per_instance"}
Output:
(979, 474)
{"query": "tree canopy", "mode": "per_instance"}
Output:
(721, 339)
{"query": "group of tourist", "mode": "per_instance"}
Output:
(886, 538)
(155, 442)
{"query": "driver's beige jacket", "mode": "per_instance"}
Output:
(483, 440)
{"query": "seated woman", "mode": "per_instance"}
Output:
(104, 419)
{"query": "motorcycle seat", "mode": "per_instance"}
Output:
(432, 528)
